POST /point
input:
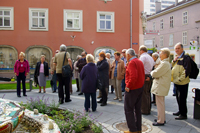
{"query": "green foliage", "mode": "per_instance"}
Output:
(153, 49)
(96, 129)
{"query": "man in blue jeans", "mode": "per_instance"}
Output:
(125, 61)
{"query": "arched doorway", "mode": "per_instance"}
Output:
(8, 56)
(106, 50)
(33, 54)
(74, 51)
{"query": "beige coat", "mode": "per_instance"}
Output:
(162, 81)
(120, 70)
(157, 63)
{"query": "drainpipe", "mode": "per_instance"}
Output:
(131, 17)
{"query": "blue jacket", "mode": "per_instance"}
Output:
(88, 76)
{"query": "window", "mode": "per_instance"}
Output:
(154, 25)
(105, 21)
(184, 38)
(73, 20)
(38, 19)
(185, 17)
(161, 24)
(171, 40)
(6, 18)
(171, 21)
(161, 41)
(152, 10)
(152, 0)
(152, 5)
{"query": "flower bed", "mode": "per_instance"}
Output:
(68, 121)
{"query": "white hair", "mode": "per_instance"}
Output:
(22, 53)
(130, 51)
(89, 58)
(155, 55)
(63, 48)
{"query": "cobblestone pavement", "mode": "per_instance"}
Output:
(114, 111)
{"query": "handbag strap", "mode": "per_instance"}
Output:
(64, 59)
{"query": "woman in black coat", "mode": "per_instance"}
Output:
(41, 72)
(103, 76)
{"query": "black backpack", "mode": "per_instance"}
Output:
(194, 69)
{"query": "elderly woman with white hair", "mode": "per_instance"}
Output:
(161, 85)
(41, 72)
(88, 76)
(21, 69)
(62, 59)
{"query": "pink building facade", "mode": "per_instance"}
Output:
(178, 23)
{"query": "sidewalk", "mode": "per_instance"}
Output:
(114, 111)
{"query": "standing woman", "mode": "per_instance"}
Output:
(76, 72)
(103, 76)
(41, 72)
(21, 69)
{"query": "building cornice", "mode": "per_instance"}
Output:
(189, 3)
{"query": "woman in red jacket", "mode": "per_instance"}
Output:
(21, 69)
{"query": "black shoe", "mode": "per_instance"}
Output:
(93, 110)
(153, 102)
(61, 102)
(174, 95)
(100, 101)
(25, 95)
(146, 113)
(80, 93)
(176, 114)
(155, 120)
(103, 104)
(53, 91)
(18, 96)
(158, 124)
(68, 100)
(77, 91)
(39, 92)
(180, 117)
(111, 91)
(44, 92)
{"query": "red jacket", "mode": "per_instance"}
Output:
(135, 75)
(17, 65)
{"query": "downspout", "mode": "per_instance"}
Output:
(131, 17)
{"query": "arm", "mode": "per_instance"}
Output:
(70, 63)
(123, 68)
(102, 66)
(47, 69)
(187, 69)
(15, 67)
(36, 70)
(82, 74)
(160, 70)
(132, 72)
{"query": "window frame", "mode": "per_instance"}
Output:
(112, 30)
(162, 24)
(46, 11)
(184, 37)
(162, 41)
(172, 21)
(183, 18)
(80, 29)
(11, 9)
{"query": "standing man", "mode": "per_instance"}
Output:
(110, 71)
(80, 64)
(148, 66)
(135, 78)
(180, 76)
(76, 72)
(125, 61)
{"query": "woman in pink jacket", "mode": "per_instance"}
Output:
(21, 69)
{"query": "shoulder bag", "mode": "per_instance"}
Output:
(66, 70)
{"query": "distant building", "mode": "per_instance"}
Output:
(149, 5)
(40, 27)
(177, 23)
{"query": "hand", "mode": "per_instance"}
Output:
(147, 79)
(175, 59)
(127, 90)
(127, 64)
(46, 76)
(112, 66)
(26, 73)
(15, 73)
(51, 72)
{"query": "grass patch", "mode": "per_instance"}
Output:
(12, 86)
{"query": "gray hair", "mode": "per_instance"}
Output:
(155, 55)
(63, 48)
(130, 51)
(108, 54)
(78, 56)
(89, 58)
(178, 44)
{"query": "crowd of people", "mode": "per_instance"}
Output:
(129, 75)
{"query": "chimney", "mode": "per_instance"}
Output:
(158, 6)
(176, 2)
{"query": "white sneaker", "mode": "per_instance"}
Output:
(115, 98)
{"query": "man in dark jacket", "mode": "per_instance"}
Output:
(103, 76)
(80, 64)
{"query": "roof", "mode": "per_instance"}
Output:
(172, 8)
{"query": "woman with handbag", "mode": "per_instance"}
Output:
(103, 77)
(21, 69)
(41, 72)
(63, 66)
